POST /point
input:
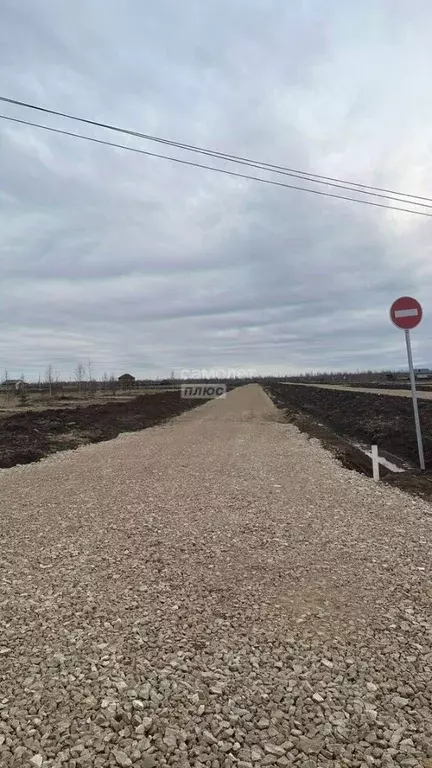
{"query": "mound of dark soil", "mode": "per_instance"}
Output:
(367, 418)
(337, 417)
(29, 436)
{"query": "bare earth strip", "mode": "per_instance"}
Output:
(395, 392)
(214, 592)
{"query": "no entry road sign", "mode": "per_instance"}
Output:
(406, 313)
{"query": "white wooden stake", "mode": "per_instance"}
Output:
(375, 463)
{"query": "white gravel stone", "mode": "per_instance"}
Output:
(310, 746)
(318, 698)
(399, 701)
(273, 749)
(37, 761)
(170, 738)
(371, 687)
(212, 581)
(122, 759)
(263, 723)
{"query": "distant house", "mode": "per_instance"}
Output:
(126, 380)
(14, 385)
(423, 373)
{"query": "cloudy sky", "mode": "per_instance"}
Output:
(144, 265)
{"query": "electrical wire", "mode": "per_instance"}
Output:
(214, 169)
(357, 187)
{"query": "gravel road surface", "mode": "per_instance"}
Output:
(214, 592)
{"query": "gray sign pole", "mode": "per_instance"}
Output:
(414, 399)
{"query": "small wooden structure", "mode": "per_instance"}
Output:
(126, 381)
(14, 385)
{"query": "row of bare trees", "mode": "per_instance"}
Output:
(83, 377)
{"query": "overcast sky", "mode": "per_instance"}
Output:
(146, 266)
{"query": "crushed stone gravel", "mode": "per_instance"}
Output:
(217, 592)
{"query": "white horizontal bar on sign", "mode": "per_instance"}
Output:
(406, 312)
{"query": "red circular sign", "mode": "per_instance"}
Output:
(406, 312)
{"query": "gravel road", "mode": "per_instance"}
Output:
(213, 592)
(368, 390)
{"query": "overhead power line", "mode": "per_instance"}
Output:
(234, 174)
(331, 181)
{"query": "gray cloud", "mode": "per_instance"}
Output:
(141, 264)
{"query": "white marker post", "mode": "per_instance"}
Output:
(406, 313)
(375, 463)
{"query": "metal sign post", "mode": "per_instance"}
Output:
(414, 399)
(406, 313)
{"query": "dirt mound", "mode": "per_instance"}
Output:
(367, 418)
(338, 418)
(29, 436)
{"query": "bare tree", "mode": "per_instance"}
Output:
(113, 384)
(80, 375)
(6, 378)
(92, 382)
(50, 378)
(21, 392)
(105, 381)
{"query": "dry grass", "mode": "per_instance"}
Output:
(40, 401)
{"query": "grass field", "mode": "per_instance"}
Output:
(36, 400)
